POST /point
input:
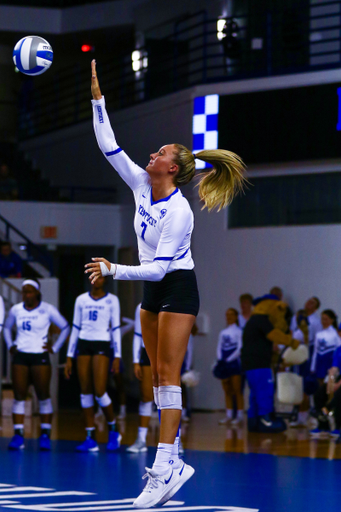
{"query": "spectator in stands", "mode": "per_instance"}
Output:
(8, 185)
(245, 301)
(10, 262)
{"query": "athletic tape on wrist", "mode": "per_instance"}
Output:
(170, 397)
(45, 406)
(87, 401)
(104, 269)
(145, 408)
(103, 400)
(18, 407)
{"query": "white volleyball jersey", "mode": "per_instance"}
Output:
(163, 228)
(138, 344)
(229, 343)
(32, 327)
(314, 326)
(96, 320)
(326, 341)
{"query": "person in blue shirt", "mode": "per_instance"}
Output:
(10, 262)
(328, 402)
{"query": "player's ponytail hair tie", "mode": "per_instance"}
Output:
(30, 282)
(218, 184)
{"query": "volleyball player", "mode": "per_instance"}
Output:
(95, 331)
(164, 224)
(228, 351)
(30, 359)
(143, 373)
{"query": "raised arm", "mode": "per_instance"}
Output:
(131, 173)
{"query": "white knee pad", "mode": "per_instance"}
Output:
(45, 406)
(18, 407)
(104, 400)
(145, 408)
(87, 401)
(170, 397)
(156, 396)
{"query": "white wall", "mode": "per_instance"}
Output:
(304, 261)
(78, 224)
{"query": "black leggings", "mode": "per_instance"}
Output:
(321, 400)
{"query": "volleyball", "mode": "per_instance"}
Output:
(32, 55)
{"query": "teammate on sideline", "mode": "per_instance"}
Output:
(164, 224)
(143, 373)
(30, 359)
(95, 330)
(228, 352)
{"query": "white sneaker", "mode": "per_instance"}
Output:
(156, 488)
(185, 472)
(235, 422)
(223, 421)
(137, 447)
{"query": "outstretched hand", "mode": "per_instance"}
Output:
(94, 268)
(95, 90)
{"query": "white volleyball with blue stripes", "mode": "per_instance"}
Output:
(32, 55)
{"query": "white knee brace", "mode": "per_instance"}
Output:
(104, 400)
(156, 396)
(18, 407)
(170, 397)
(87, 401)
(45, 406)
(145, 408)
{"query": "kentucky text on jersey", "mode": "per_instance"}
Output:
(146, 216)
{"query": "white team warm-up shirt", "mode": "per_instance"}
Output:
(163, 228)
(96, 320)
(326, 341)
(138, 344)
(32, 327)
(314, 326)
(2, 313)
(229, 343)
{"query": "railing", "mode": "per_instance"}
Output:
(34, 253)
(261, 44)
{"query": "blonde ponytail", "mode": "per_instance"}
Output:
(217, 186)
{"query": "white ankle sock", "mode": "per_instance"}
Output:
(175, 452)
(142, 435)
(240, 414)
(229, 414)
(163, 454)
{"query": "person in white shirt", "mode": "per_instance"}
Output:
(325, 344)
(30, 357)
(245, 301)
(143, 373)
(95, 332)
(228, 367)
(163, 224)
(310, 307)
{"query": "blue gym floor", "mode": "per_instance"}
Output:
(65, 481)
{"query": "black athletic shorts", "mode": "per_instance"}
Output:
(144, 359)
(31, 359)
(93, 348)
(177, 292)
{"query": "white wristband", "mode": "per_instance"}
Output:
(105, 271)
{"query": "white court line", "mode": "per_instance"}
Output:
(48, 494)
(20, 489)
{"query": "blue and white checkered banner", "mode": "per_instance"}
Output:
(205, 125)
